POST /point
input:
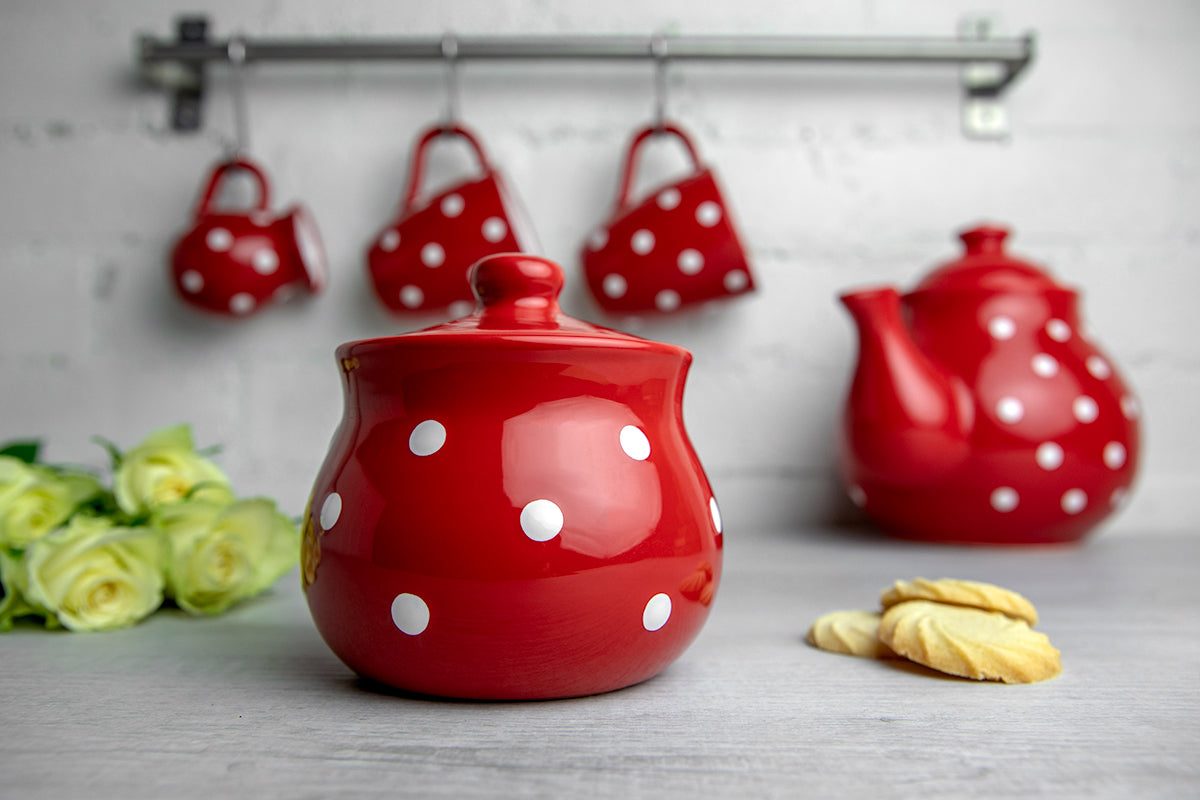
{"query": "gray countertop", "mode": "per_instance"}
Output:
(252, 704)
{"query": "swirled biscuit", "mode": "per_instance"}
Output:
(972, 594)
(851, 632)
(969, 642)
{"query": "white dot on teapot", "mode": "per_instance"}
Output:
(1118, 497)
(715, 512)
(1074, 501)
(1114, 455)
(411, 296)
(432, 255)
(598, 239)
(1130, 407)
(494, 229)
(242, 303)
(1004, 499)
(1049, 456)
(667, 300)
(219, 240)
(390, 240)
(858, 495)
(1002, 327)
(1085, 409)
(708, 213)
(690, 261)
(191, 281)
(1098, 367)
(541, 520)
(1058, 330)
(427, 438)
(642, 241)
(460, 308)
(668, 199)
(614, 286)
(453, 205)
(331, 511)
(264, 261)
(1044, 365)
(634, 443)
(410, 614)
(736, 280)
(1010, 410)
(657, 612)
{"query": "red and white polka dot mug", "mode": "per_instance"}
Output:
(419, 262)
(674, 248)
(235, 261)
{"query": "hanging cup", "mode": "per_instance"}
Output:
(234, 261)
(676, 247)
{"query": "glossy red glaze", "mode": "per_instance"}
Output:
(235, 261)
(980, 411)
(511, 507)
(677, 247)
(420, 261)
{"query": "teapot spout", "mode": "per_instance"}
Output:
(907, 420)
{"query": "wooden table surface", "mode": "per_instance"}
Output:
(253, 704)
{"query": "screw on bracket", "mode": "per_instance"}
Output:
(188, 101)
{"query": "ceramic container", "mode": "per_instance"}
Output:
(981, 410)
(511, 507)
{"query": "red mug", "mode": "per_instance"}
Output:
(420, 261)
(235, 261)
(677, 246)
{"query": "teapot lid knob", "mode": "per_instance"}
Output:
(511, 284)
(984, 239)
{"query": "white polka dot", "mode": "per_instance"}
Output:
(1058, 330)
(1010, 410)
(432, 255)
(219, 240)
(191, 281)
(598, 239)
(668, 199)
(690, 261)
(858, 495)
(331, 511)
(453, 205)
(541, 520)
(736, 280)
(1118, 497)
(1004, 499)
(1114, 455)
(614, 286)
(242, 303)
(642, 241)
(1130, 407)
(460, 308)
(1074, 501)
(261, 218)
(411, 296)
(634, 443)
(264, 261)
(410, 614)
(1049, 456)
(708, 213)
(667, 300)
(715, 513)
(1001, 327)
(494, 229)
(390, 240)
(1098, 367)
(657, 612)
(427, 438)
(1044, 365)
(1085, 409)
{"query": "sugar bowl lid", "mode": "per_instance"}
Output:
(986, 266)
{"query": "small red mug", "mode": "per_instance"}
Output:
(420, 261)
(676, 247)
(235, 261)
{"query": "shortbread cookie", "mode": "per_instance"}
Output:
(851, 632)
(962, 593)
(970, 642)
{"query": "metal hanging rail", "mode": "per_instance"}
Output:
(990, 64)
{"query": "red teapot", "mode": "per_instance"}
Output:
(511, 508)
(981, 411)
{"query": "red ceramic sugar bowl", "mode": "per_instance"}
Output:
(511, 507)
(981, 411)
(236, 260)
(420, 260)
(675, 247)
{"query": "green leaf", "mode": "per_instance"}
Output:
(114, 452)
(26, 450)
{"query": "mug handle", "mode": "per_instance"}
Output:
(417, 169)
(224, 168)
(639, 139)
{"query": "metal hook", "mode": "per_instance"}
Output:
(236, 52)
(450, 56)
(658, 51)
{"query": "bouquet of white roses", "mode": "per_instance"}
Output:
(86, 557)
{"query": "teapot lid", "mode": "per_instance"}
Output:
(985, 265)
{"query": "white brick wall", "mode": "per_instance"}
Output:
(839, 176)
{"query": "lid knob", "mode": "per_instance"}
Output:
(984, 239)
(517, 285)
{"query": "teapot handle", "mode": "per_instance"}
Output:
(224, 168)
(639, 139)
(417, 168)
